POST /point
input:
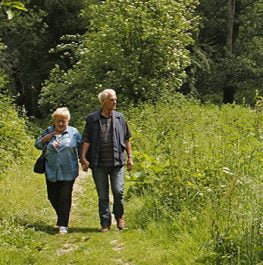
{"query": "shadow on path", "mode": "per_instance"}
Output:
(43, 227)
(84, 230)
(38, 226)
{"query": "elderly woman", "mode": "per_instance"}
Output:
(62, 148)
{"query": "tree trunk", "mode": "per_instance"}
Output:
(229, 89)
(230, 24)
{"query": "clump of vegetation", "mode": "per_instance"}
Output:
(141, 52)
(16, 145)
(192, 158)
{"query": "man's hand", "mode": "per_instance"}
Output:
(129, 163)
(84, 164)
(83, 161)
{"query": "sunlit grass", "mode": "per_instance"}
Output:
(194, 197)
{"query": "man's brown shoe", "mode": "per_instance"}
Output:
(105, 229)
(120, 222)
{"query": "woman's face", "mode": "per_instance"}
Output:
(61, 123)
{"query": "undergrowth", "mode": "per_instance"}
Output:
(15, 141)
(202, 163)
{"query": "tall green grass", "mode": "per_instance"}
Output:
(200, 168)
(20, 189)
(195, 194)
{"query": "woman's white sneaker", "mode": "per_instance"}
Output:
(63, 230)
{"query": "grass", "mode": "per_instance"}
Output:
(198, 197)
(28, 236)
(203, 162)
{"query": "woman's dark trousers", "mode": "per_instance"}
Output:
(60, 196)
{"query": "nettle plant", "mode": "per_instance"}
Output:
(196, 151)
(196, 157)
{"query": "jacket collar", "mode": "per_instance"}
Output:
(96, 116)
(52, 129)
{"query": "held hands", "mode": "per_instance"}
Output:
(84, 164)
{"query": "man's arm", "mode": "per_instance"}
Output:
(84, 162)
(129, 154)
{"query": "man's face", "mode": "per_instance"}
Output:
(111, 102)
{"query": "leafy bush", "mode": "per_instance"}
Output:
(15, 144)
(140, 52)
(3, 79)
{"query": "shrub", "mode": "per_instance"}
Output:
(140, 53)
(15, 143)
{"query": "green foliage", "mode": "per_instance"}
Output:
(3, 76)
(237, 71)
(60, 91)
(23, 195)
(29, 37)
(13, 4)
(199, 157)
(3, 81)
(195, 194)
(9, 6)
(140, 53)
(15, 144)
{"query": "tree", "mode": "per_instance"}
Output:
(229, 30)
(29, 37)
(138, 48)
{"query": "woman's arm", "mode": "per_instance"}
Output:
(44, 138)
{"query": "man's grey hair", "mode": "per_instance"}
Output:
(105, 94)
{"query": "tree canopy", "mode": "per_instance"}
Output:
(63, 53)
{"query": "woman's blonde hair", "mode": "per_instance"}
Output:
(61, 112)
(105, 94)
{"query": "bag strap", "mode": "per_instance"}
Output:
(45, 148)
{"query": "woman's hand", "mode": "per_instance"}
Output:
(47, 137)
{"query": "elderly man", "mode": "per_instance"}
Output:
(105, 138)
